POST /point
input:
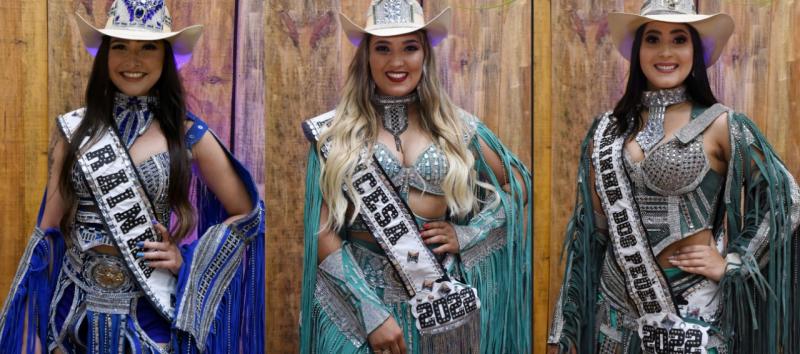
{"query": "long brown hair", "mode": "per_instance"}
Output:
(170, 114)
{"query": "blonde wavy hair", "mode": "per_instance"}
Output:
(356, 125)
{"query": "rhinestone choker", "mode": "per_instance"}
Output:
(658, 101)
(395, 113)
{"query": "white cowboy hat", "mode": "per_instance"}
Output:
(388, 18)
(144, 20)
(714, 29)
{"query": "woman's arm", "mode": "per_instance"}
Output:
(383, 332)
(54, 208)
(221, 178)
(496, 165)
(219, 175)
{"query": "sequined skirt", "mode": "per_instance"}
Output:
(98, 308)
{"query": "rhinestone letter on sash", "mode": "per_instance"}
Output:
(657, 101)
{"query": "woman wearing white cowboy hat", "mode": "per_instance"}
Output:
(682, 239)
(415, 229)
(111, 266)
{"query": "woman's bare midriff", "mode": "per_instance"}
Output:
(703, 237)
(425, 205)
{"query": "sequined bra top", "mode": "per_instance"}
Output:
(676, 190)
(426, 174)
(88, 229)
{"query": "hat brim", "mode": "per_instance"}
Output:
(182, 42)
(436, 29)
(714, 31)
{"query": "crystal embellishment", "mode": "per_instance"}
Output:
(393, 12)
(395, 114)
(657, 102)
(133, 115)
(661, 7)
(144, 14)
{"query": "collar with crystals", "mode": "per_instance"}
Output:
(394, 111)
(658, 101)
(133, 115)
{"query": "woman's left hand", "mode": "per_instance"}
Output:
(700, 259)
(443, 233)
(164, 254)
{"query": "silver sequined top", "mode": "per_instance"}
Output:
(676, 190)
(426, 174)
(88, 229)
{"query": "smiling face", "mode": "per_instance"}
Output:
(396, 63)
(135, 66)
(666, 54)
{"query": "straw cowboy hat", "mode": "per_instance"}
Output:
(144, 20)
(714, 29)
(388, 18)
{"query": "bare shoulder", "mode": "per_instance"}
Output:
(719, 135)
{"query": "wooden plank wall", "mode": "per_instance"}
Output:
(487, 66)
(24, 133)
(45, 69)
(579, 74)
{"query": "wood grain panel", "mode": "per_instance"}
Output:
(249, 118)
(486, 63)
(208, 78)
(542, 177)
(588, 77)
(757, 74)
(303, 64)
(24, 133)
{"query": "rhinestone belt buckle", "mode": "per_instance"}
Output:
(109, 275)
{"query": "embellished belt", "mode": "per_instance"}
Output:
(378, 272)
(108, 284)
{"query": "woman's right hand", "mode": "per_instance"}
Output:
(387, 338)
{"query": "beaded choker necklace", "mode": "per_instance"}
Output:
(133, 115)
(658, 101)
(395, 113)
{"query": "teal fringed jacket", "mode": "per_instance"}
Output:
(759, 212)
(497, 262)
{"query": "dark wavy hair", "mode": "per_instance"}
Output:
(697, 86)
(170, 114)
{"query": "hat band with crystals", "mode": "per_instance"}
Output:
(386, 18)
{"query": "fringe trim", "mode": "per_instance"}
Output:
(465, 338)
(31, 291)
